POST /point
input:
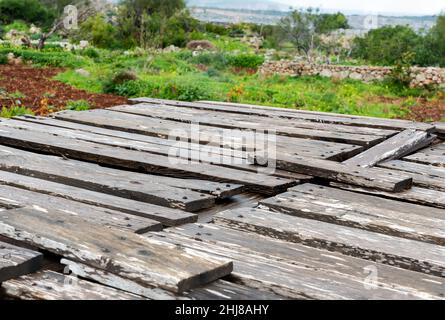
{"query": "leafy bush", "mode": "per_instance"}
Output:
(78, 105)
(251, 61)
(218, 61)
(118, 78)
(183, 91)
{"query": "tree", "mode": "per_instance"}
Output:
(433, 51)
(303, 28)
(386, 45)
(148, 21)
(98, 31)
(84, 9)
(30, 11)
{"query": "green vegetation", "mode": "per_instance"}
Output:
(14, 112)
(131, 54)
(78, 105)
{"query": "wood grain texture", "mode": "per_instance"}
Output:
(403, 282)
(293, 278)
(148, 262)
(362, 211)
(140, 187)
(16, 261)
(423, 175)
(244, 122)
(167, 216)
(367, 177)
(403, 253)
(49, 285)
(15, 197)
(202, 134)
(135, 160)
(406, 142)
(217, 290)
(417, 195)
(298, 114)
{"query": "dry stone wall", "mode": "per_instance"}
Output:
(421, 77)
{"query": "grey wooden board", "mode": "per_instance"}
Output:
(167, 216)
(243, 122)
(298, 114)
(15, 197)
(50, 285)
(400, 252)
(406, 142)
(294, 122)
(217, 290)
(218, 156)
(131, 256)
(221, 190)
(440, 127)
(291, 279)
(423, 175)
(233, 139)
(367, 177)
(16, 261)
(324, 262)
(130, 159)
(50, 122)
(423, 196)
(360, 211)
(437, 160)
(125, 184)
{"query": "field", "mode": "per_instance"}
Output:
(225, 74)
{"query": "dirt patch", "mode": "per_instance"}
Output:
(35, 89)
(421, 110)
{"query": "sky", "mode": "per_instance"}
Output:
(411, 7)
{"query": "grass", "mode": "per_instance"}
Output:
(14, 112)
(78, 105)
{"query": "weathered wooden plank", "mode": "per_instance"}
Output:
(146, 261)
(50, 285)
(416, 195)
(294, 122)
(290, 278)
(243, 122)
(125, 184)
(216, 290)
(210, 150)
(202, 134)
(15, 197)
(16, 261)
(367, 177)
(167, 216)
(437, 160)
(404, 143)
(423, 175)
(130, 159)
(298, 114)
(361, 211)
(400, 280)
(403, 253)
(440, 128)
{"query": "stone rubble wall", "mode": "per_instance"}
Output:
(421, 77)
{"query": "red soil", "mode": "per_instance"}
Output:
(44, 95)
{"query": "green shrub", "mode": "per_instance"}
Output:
(91, 53)
(116, 79)
(78, 105)
(183, 91)
(251, 61)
